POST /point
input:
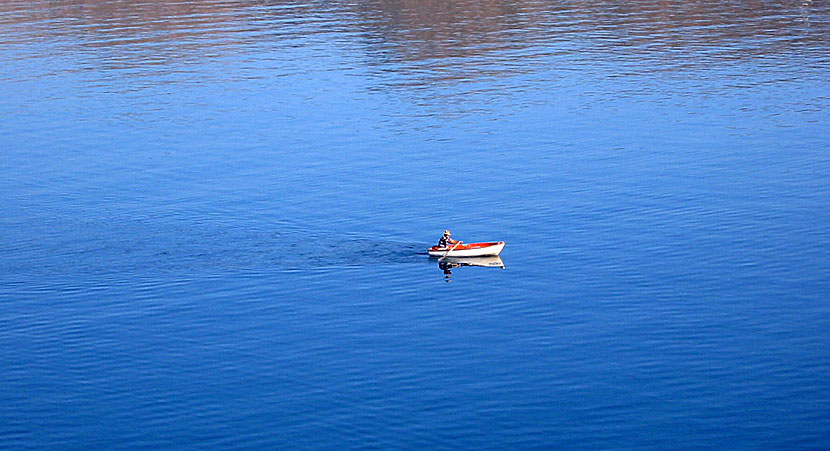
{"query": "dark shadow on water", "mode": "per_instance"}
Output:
(423, 43)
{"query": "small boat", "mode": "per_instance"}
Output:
(467, 250)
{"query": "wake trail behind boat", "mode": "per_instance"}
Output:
(354, 252)
(125, 246)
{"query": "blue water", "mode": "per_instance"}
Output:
(214, 217)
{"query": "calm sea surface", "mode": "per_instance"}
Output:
(214, 217)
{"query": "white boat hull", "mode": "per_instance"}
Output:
(493, 249)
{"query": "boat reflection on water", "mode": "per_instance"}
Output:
(449, 263)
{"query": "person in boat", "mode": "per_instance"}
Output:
(447, 241)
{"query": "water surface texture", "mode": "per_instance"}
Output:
(214, 217)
